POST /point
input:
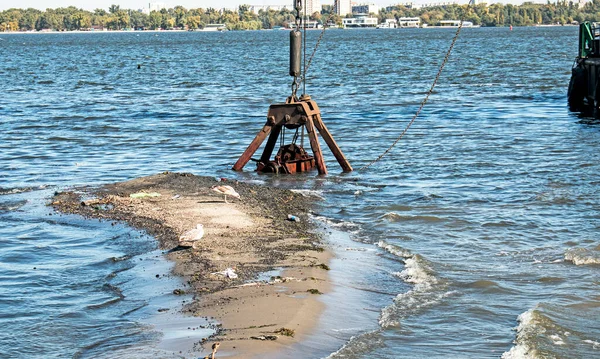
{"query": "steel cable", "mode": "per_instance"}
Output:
(437, 77)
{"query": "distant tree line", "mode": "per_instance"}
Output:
(527, 14)
(72, 18)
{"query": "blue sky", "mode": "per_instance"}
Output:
(137, 4)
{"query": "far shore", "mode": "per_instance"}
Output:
(213, 31)
(258, 315)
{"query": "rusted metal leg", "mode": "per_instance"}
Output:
(333, 146)
(254, 145)
(316, 147)
(268, 151)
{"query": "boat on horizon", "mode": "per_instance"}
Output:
(215, 27)
(454, 23)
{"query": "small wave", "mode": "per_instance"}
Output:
(113, 289)
(124, 352)
(309, 193)
(351, 227)
(428, 289)
(558, 329)
(17, 190)
(11, 206)
(394, 249)
(541, 335)
(525, 329)
(120, 259)
(583, 256)
(483, 284)
(392, 216)
(555, 195)
(107, 287)
(557, 339)
(417, 272)
(104, 304)
(189, 84)
(359, 345)
(82, 83)
(429, 197)
(499, 224)
(551, 280)
(595, 344)
(395, 217)
(488, 287)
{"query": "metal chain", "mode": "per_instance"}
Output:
(294, 87)
(298, 7)
(437, 77)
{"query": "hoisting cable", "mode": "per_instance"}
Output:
(437, 77)
(304, 55)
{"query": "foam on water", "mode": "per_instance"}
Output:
(525, 330)
(309, 193)
(359, 346)
(427, 290)
(557, 340)
(583, 256)
(17, 190)
(548, 331)
(595, 344)
(363, 284)
(347, 226)
(395, 250)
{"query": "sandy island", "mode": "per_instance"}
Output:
(251, 236)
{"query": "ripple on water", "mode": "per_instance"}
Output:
(548, 331)
(583, 256)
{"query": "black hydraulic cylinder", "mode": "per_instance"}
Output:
(295, 52)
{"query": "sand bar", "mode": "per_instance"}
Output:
(251, 236)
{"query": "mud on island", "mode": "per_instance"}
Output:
(242, 238)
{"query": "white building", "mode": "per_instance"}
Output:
(408, 5)
(434, 4)
(388, 24)
(409, 22)
(342, 7)
(256, 8)
(154, 6)
(360, 21)
(581, 3)
(309, 25)
(455, 23)
(312, 6)
(365, 9)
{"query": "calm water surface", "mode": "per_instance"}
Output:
(476, 238)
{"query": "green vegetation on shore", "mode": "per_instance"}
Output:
(527, 14)
(72, 18)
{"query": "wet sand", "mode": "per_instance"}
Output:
(251, 236)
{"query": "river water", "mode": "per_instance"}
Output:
(477, 237)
